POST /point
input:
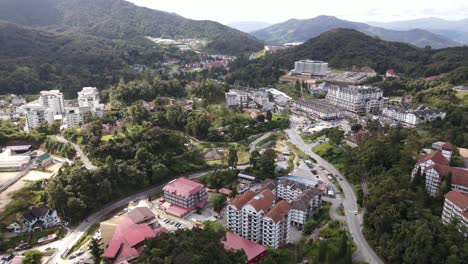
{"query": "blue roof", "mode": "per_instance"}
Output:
(309, 182)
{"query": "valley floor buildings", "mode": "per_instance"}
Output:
(266, 217)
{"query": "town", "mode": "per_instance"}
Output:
(133, 135)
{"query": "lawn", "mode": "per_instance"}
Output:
(331, 153)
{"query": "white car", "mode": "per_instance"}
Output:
(355, 212)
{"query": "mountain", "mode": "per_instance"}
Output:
(453, 29)
(345, 48)
(296, 30)
(119, 19)
(32, 60)
(249, 26)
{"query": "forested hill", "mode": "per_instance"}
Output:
(119, 19)
(303, 29)
(344, 48)
(32, 60)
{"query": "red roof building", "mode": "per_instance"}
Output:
(456, 207)
(185, 194)
(390, 73)
(252, 250)
(127, 243)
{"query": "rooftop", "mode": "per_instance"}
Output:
(141, 214)
(183, 187)
(278, 212)
(262, 201)
(436, 157)
(240, 200)
(458, 198)
(252, 250)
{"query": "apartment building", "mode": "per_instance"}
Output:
(310, 68)
(412, 115)
(456, 208)
(53, 101)
(436, 165)
(258, 218)
(76, 116)
(357, 99)
(184, 195)
(236, 98)
(89, 97)
(320, 109)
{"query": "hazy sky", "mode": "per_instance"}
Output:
(226, 11)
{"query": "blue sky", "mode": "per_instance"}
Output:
(278, 11)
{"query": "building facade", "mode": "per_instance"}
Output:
(357, 99)
(52, 100)
(456, 208)
(320, 109)
(310, 67)
(76, 116)
(185, 193)
(412, 115)
(236, 98)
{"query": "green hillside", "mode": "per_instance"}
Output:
(119, 19)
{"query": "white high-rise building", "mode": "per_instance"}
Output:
(75, 116)
(357, 99)
(456, 208)
(236, 98)
(88, 96)
(310, 67)
(258, 218)
(37, 114)
(53, 100)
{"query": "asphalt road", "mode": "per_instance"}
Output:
(72, 237)
(255, 142)
(354, 222)
(83, 156)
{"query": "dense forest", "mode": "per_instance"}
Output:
(119, 19)
(345, 48)
(32, 60)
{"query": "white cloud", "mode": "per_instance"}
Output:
(226, 11)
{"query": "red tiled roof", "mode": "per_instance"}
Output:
(252, 250)
(225, 191)
(436, 156)
(183, 187)
(263, 200)
(444, 145)
(141, 214)
(279, 211)
(113, 248)
(457, 198)
(240, 200)
(177, 211)
(459, 176)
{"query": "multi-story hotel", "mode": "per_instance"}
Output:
(456, 208)
(357, 99)
(310, 67)
(184, 195)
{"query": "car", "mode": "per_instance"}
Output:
(79, 253)
(355, 212)
(71, 257)
(341, 179)
(317, 176)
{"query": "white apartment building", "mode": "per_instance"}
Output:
(76, 116)
(357, 99)
(276, 225)
(236, 98)
(412, 115)
(53, 100)
(258, 218)
(436, 165)
(456, 207)
(310, 67)
(89, 97)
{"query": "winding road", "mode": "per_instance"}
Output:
(88, 164)
(364, 251)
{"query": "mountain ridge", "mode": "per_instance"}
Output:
(300, 30)
(119, 19)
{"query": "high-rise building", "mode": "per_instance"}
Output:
(89, 97)
(310, 67)
(236, 98)
(76, 116)
(53, 100)
(357, 99)
(456, 208)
